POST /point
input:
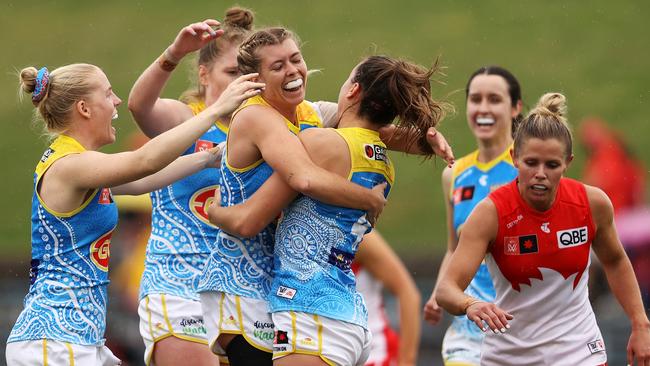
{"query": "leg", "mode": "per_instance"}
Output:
(175, 351)
(299, 359)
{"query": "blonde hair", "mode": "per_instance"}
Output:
(546, 121)
(237, 25)
(67, 85)
(248, 59)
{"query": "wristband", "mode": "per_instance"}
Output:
(167, 62)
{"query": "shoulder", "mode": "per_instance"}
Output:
(322, 139)
(258, 116)
(601, 206)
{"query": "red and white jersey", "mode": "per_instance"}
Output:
(385, 341)
(539, 263)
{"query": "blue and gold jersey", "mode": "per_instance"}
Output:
(472, 181)
(243, 266)
(181, 233)
(316, 242)
(69, 268)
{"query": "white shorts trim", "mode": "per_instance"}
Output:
(164, 315)
(232, 314)
(335, 342)
(460, 350)
(56, 353)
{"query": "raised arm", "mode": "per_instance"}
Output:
(620, 275)
(93, 169)
(432, 311)
(479, 231)
(180, 168)
(153, 114)
(376, 256)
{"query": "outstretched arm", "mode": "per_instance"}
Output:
(153, 114)
(620, 275)
(479, 230)
(180, 168)
(376, 256)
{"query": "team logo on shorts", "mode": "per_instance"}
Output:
(201, 200)
(100, 251)
(375, 152)
(517, 245)
(281, 337)
(596, 346)
(203, 145)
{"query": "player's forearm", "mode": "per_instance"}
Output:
(625, 288)
(409, 308)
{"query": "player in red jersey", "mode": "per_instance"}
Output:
(537, 233)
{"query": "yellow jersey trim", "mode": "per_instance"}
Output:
(198, 107)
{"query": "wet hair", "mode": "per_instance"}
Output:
(248, 58)
(237, 25)
(514, 89)
(546, 121)
(66, 85)
(394, 88)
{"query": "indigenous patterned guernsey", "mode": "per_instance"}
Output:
(316, 242)
(243, 266)
(540, 263)
(181, 234)
(472, 181)
(69, 269)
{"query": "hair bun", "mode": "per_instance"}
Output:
(28, 79)
(237, 17)
(553, 104)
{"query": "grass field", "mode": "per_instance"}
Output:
(596, 52)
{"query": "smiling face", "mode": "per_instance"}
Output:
(284, 71)
(541, 164)
(102, 107)
(489, 108)
(221, 72)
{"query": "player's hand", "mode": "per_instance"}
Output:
(193, 37)
(237, 91)
(432, 311)
(638, 347)
(440, 145)
(378, 203)
(486, 316)
(215, 155)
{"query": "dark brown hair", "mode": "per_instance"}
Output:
(394, 88)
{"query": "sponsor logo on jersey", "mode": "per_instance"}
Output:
(105, 197)
(47, 154)
(340, 259)
(100, 251)
(201, 200)
(572, 237)
(203, 145)
(286, 292)
(463, 194)
(545, 227)
(375, 152)
(515, 221)
(518, 245)
(596, 346)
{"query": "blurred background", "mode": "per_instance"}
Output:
(597, 54)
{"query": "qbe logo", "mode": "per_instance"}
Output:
(375, 152)
(572, 237)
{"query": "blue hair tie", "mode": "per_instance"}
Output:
(42, 79)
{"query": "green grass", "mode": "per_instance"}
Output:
(597, 53)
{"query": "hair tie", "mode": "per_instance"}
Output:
(42, 79)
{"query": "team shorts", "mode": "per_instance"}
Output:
(460, 350)
(232, 314)
(335, 342)
(164, 315)
(57, 353)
